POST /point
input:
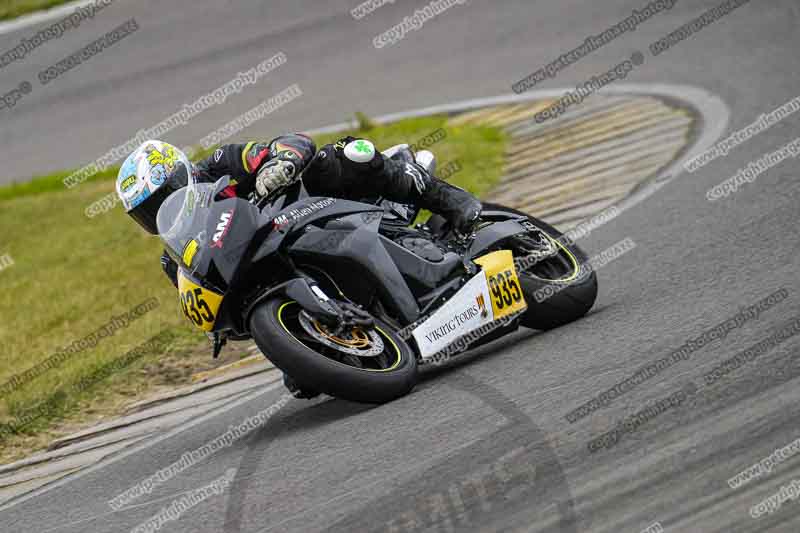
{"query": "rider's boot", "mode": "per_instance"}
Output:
(459, 207)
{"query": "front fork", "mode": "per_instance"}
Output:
(218, 340)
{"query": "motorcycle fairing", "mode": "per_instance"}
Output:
(426, 273)
(275, 239)
(355, 238)
(488, 236)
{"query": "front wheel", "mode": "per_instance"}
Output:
(373, 366)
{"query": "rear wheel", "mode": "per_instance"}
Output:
(558, 286)
(372, 366)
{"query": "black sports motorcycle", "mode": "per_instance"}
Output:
(348, 299)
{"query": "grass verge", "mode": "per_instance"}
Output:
(10, 9)
(72, 275)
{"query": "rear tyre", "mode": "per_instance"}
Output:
(559, 289)
(276, 327)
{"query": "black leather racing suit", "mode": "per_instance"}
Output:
(329, 173)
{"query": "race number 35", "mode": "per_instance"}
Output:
(195, 307)
(199, 305)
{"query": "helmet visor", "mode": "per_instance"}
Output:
(146, 212)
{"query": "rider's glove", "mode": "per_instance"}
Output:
(275, 175)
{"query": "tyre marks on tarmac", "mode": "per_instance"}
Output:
(497, 482)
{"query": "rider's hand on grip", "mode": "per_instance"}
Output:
(275, 175)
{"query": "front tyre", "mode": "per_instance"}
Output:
(313, 361)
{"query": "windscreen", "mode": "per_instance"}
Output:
(182, 222)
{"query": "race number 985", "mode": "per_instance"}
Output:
(505, 289)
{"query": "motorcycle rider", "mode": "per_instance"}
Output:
(349, 168)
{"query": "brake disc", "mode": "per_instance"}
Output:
(356, 341)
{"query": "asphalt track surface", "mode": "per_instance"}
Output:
(481, 444)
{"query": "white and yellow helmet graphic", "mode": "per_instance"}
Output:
(151, 173)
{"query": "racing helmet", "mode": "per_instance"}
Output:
(147, 177)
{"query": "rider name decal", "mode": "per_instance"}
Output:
(296, 214)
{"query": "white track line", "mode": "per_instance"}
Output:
(136, 449)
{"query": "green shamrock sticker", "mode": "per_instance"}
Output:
(363, 147)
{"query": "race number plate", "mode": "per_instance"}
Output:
(469, 310)
(504, 286)
(199, 305)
